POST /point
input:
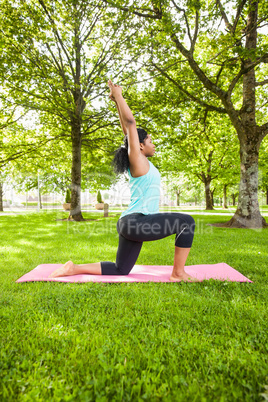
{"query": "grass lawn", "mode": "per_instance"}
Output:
(131, 341)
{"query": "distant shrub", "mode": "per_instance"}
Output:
(68, 196)
(99, 197)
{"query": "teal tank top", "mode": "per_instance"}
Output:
(145, 192)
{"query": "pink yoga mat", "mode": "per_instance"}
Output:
(140, 273)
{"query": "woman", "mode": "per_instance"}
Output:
(142, 220)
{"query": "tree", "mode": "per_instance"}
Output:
(3, 177)
(188, 45)
(182, 188)
(48, 168)
(202, 145)
(201, 152)
(59, 56)
(15, 140)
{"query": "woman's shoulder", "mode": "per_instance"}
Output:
(140, 168)
(153, 166)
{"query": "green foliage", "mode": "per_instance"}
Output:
(210, 53)
(99, 197)
(16, 139)
(202, 147)
(58, 59)
(68, 196)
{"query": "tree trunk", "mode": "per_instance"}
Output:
(248, 214)
(40, 199)
(178, 198)
(267, 196)
(1, 197)
(233, 198)
(208, 195)
(225, 196)
(75, 212)
(212, 196)
(76, 122)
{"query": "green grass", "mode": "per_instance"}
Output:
(35, 203)
(130, 341)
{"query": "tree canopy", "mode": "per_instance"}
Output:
(57, 60)
(187, 61)
(216, 55)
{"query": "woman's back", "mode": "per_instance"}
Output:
(145, 192)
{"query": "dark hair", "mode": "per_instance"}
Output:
(121, 161)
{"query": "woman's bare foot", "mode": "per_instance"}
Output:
(183, 277)
(66, 270)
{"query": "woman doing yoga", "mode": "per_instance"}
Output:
(142, 220)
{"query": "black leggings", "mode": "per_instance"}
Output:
(134, 229)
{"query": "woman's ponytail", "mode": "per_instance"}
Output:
(121, 160)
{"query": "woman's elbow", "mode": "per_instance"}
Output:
(130, 122)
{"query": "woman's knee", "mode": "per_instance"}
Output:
(124, 269)
(185, 237)
(188, 227)
(190, 221)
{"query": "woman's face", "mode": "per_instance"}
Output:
(148, 148)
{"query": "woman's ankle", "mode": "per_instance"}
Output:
(178, 271)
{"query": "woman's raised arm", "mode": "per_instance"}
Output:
(127, 119)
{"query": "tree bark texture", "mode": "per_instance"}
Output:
(76, 123)
(75, 212)
(249, 133)
(178, 198)
(225, 196)
(233, 199)
(212, 197)
(40, 199)
(248, 214)
(208, 194)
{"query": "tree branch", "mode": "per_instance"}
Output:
(263, 130)
(59, 67)
(261, 83)
(245, 70)
(91, 28)
(192, 40)
(238, 14)
(194, 98)
(259, 60)
(21, 153)
(156, 13)
(55, 110)
(195, 31)
(57, 35)
(186, 21)
(197, 70)
(9, 121)
(224, 16)
(234, 82)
